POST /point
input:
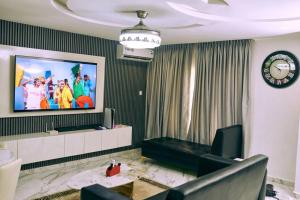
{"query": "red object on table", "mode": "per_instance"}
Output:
(113, 171)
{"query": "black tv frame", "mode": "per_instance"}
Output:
(52, 59)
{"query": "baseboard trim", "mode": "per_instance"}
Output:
(281, 181)
(74, 158)
(297, 195)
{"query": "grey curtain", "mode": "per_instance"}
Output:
(193, 89)
(221, 93)
(167, 94)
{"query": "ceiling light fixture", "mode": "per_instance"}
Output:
(140, 36)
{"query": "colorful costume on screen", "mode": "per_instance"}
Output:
(87, 87)
(34, 96)
(44, 104)
(19, 75)
(50, 89)
(79, 95)
(57, 95)
(78, 88)
(66, 98)
(48, 76)
(63, 97)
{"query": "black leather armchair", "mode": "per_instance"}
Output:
(209, 163)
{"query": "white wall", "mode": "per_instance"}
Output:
(7, 78)
(297, 178)
(275, 112)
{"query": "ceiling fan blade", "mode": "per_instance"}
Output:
(215, 2)
(182, 27)
(126, 11)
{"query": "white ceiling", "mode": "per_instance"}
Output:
(180, 21)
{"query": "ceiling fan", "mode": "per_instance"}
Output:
(140, 36)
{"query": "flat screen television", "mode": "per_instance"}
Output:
(43, 84)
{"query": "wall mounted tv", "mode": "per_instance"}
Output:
(43, 84)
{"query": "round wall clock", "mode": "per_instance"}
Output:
(280, 69)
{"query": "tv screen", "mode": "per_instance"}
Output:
(50, 84)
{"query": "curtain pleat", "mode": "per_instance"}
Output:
(167, 98)
(221, 88)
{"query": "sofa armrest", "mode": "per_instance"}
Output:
(262, 193)
(98, 192)
(209, 163)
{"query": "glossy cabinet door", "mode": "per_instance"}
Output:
(92, 141)
(74, 144)
(29, 150)
(46, 147)
(53, 147)
(12, 146)
(109, 139)
(38, 149)
(124, 136)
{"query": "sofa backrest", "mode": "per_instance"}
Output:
(228, 142)
(240, 181)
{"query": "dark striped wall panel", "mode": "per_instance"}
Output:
(123, 79)
(32, 124)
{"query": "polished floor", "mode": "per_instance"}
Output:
(48, 180)
(283, 192)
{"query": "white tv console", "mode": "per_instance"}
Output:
(37, 147)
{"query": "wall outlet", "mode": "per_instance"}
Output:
(141, 92)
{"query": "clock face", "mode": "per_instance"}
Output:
(280, 69)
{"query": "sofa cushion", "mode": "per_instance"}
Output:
(179, 153)
(179, 145)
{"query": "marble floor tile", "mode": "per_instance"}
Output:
(48, 180)
(283, 192)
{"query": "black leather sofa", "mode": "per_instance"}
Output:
(243, 180)
(227, 144)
